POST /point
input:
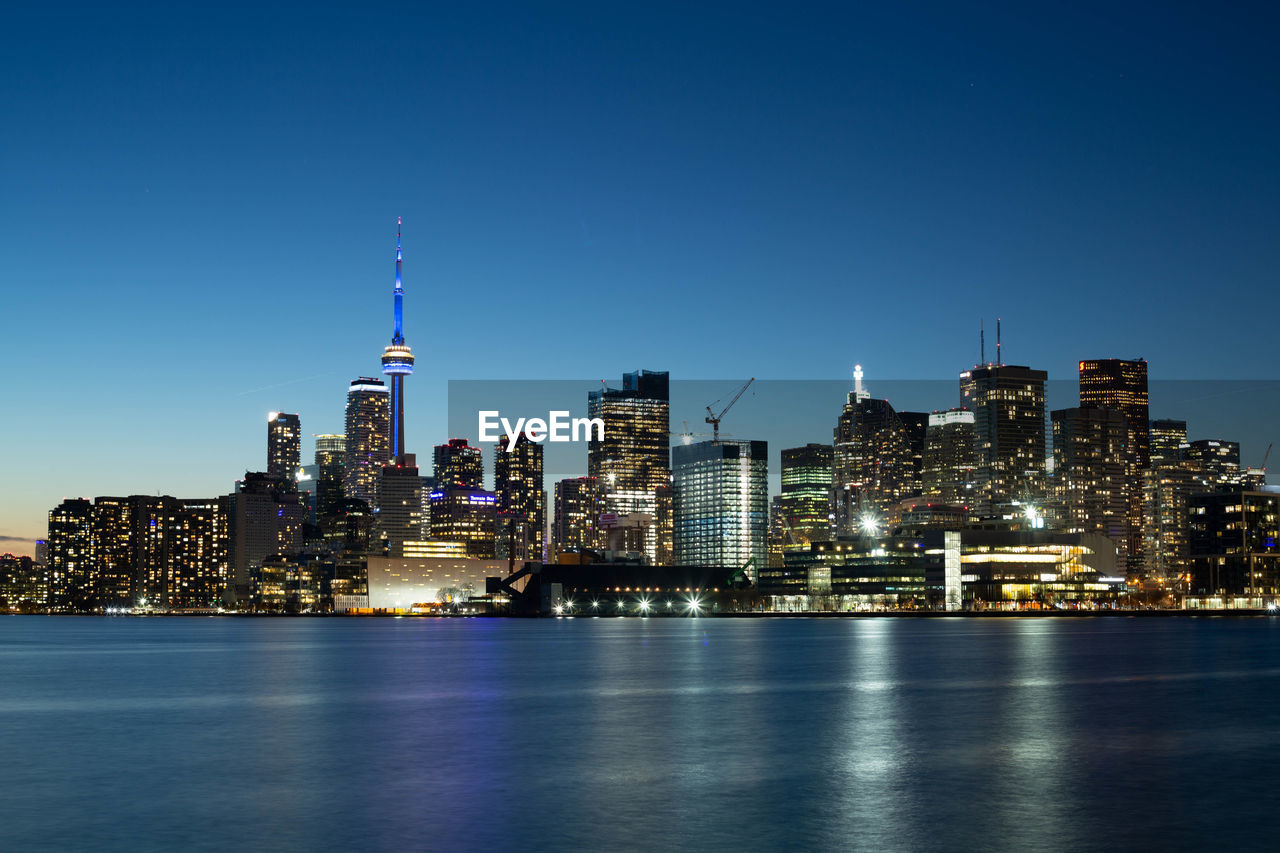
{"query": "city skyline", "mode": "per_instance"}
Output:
(1134, 204)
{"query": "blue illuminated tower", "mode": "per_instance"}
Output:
(397, 362)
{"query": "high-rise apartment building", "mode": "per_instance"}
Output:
(948, 475)
(467, 516)
(1235, 543)
(576, 521)
(368, 445)
(520, 499)
(72, 574)
(284, 445)
(458, 465)
(873, 464)
(721, 504)
(264, 518)
(1090, 453)
(1008, 406)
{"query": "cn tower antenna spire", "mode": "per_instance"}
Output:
(398, 336)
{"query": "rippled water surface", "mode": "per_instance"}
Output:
(704, 734)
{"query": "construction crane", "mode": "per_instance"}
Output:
(714, 419)
(688, 436)
(1267, 456)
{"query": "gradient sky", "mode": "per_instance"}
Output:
(198, 204)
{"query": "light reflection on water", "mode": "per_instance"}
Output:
(709, 734)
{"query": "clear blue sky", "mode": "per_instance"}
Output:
(198, 203)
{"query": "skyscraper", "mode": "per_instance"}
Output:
(72, 575)
(331, 452)
(632, 462)
(804, 506)
(368, 438)
(576, 523)
(458, 465)
(1119, 384)
(264, 518)
(520, 499)
(1166, 438)
(1090, 451)
(397, 362)
(873, 463)
(948, 457)
(284, 445)
(721, 504)
(1217, 461)
(1007, 402)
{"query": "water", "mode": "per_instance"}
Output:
(707, 734)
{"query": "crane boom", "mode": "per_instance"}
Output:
(715, 419)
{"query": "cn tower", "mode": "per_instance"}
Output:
(397, 362)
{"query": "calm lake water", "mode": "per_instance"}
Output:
(705, 734)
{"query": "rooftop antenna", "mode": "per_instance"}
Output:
(859, 393)
(982, 344)
(999, 360)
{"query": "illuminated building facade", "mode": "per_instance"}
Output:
(1121, 385)
(1217, 462)
(873, 465)
(467, 516)
(991, 568)
(284, 445)
(368, 445)
(72, 575)
(458, 465)
(1008, 406)
(331, 460)
(948, 475)
(1166, 439)
(576, 521)
(1166, 495)
(400, 508)
(915, 426)
(633, 460)
(264, 518)
(804, 505)
(1090, 474)
(521, 501)
(721, 504)
(1235, 543)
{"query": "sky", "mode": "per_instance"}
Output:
(198, 207)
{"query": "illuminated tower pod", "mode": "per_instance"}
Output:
(397, 362)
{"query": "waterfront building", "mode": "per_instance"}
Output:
(1121, 385)
(1008, 406)
(264, 518)
(1090, 474)
(72, 574)
(721, 504)
(576, 522)
(948, 475)
(1235, 543)
(467, 516)
(368, 443)
(1167, 488)
(632, 460)
(284, 445)
(804, 504)
(520, 501)
(873, 465)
